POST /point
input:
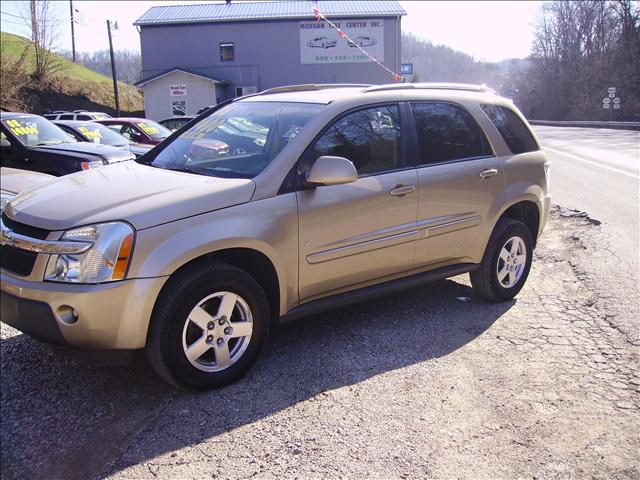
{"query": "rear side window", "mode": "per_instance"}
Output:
(370, 138)
(514, 132)
(66, 116)
(447, 132)
(84, 117)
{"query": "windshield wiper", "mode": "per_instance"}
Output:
(43, 144)
(175, 169)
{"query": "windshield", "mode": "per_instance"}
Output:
(33, 131)
(239, 140)
(97, 133)
(153, 130)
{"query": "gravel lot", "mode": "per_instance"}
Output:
(409, 386)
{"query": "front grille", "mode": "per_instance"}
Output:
(17, 261)
(14, 259)
(22, 229)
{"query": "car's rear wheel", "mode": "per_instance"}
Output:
(506, 263)
(208, 327)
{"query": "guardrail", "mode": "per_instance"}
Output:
(588, 124)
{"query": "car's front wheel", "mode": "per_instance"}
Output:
(208, 327)
(506, 262)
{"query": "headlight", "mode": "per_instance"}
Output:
(5, 197)
(106, 261)
(93, 164)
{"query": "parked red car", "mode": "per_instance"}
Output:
(138, 130)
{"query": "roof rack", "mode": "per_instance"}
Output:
(431, 86)
(80, 111)
(312, 87)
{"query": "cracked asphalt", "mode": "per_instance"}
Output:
(415, 385)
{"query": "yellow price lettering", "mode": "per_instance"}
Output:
(90, 134)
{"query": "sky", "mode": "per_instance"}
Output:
(486, 30)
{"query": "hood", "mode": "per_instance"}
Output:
(141, 195)
(15, 181)
(85, 150)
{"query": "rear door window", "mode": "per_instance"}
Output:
(66, 116)
(447, 132)
(513, 130)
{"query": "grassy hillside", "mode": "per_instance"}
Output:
(69, 87)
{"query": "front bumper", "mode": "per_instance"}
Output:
(109, 316)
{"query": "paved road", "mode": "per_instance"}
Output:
(597, 171)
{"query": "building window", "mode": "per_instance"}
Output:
(227, 53)
(179, 107)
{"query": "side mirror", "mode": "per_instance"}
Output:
(329, 170)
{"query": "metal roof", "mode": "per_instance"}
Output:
(144, 81)
(267, 10)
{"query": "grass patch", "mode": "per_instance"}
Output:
(70, 86)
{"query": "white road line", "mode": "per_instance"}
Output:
(595, 164)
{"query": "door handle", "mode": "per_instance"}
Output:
(402, 190)
(490, 172)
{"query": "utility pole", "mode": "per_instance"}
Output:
(73, 37)
(113, 68)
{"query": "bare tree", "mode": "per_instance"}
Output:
(580, 49)
(39, 16)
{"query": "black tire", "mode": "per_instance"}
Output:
(182, 293)
(485, 279)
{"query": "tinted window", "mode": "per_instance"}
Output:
(84, 117)
(515, 133)
(66, 116)
(369, 138)
(447, 132)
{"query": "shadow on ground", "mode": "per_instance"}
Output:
(62, 419)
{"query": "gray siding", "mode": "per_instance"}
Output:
(267, 54)
(157, 99)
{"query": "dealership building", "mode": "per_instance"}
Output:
(199, 55)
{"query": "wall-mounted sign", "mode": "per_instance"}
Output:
(606, 100)
(406, 68)
(177, 90)
(319, 43)
(611, 90)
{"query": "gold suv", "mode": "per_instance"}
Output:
(271, 207)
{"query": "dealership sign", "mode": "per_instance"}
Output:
(177, 90)
(319, 43)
